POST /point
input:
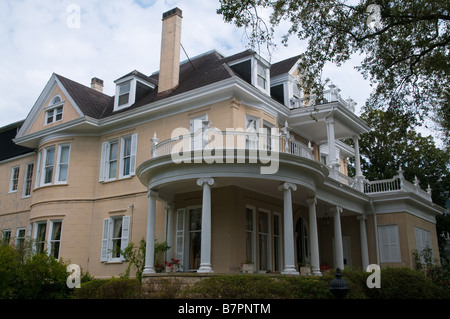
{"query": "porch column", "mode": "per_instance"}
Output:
(205, 258)
(289, 262)
(169, 234)
(150, 245)
(358, 175)
(364, 247)
(338, 251)
(332, 148)
(314, 237)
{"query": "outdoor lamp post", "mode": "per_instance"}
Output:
(339, 286)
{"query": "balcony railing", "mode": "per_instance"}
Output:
(240, 140)
(213, 138)
(397, 183)
(330, 95)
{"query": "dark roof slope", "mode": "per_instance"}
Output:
(91, 102)
(8, 148)
(205, 69)
(283, 66)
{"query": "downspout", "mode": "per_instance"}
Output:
(376, 230)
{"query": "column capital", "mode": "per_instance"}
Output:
(152, 193)
(356, 137)
(310, 200)
(336, 209)
(361, 217)
(209, 180)
(287, 185)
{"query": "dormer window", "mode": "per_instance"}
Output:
(124, 93)
(261, 75)
(54, 112)
(131, 88)
(253, 69)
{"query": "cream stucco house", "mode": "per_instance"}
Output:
(222, 157)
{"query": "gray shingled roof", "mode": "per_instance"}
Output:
(205, 69)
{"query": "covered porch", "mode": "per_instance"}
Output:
(219, 216)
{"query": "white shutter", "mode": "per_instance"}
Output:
(105, 240)
(103, 162)
(134, 139)
(125, 232)
(179, 252)
(38, 171)
(389, 242)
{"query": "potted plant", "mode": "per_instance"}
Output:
(247, 267)
(305, 269)
(173, 265)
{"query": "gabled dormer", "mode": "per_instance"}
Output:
(285, 81)
(252, 68)
(130, 88)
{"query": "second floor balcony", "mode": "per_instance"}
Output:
(221, 145)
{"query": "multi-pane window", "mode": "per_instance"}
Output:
(54, 242)
(54, 112)
(28, 179)
(20, 238)
(118, 158)
(263, 233)
(249, 235)
(6, 236)
(49, 160)
(40, 238)
(115, 238)
(261, 74)
(14, 182)
(63, 163)
(124, 93)
(251, 128)
(277, 242)
(126, 156)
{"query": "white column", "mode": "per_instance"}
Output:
(150, 244)
(205, 258)
(332, 148)
(314, 237)
(338, 251)
(289, 262)
(364, 247)
(358, 174)
(169, 235)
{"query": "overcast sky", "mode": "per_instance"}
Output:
(108, 39)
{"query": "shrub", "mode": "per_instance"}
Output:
(26, 276)
(109, 289)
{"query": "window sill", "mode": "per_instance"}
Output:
(113, 262)
(51, 185)
(117, 179)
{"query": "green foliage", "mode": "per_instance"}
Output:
(26, 276)
(405, 56)
(135, 256)
(109, 289)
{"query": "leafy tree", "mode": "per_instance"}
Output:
(405, 45)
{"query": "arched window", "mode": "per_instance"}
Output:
(54, 111)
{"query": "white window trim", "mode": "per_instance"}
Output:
(252, 140)
(393, 254)
(11, 181)
(269, 239)
(24, 188)
(49, 236)
(53, 107)
(255, 62)
(133, 153)
(106, 247)
(44, 159)
(132, 93)
(423, 241)
(16, 242)
(104, 159)
(34, 228)
(180, 234)
(280, 237)
(57, 167)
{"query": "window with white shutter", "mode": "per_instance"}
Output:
(179, 252)
(115, 238)
(389, 243)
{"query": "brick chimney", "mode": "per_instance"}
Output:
(97, 84)
(169, 70)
